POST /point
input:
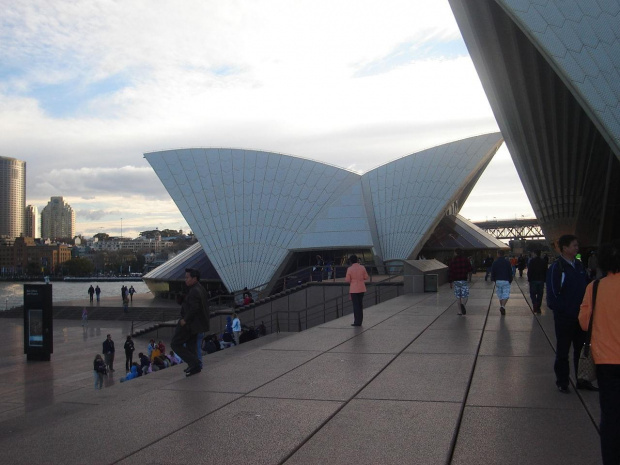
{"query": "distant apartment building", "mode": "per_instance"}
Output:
(32, 224)
(12, 196)
(57, 220)
(140, 244)
(24, 256)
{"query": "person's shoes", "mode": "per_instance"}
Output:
(502, 310)
(459, 313)
(354, 324)
(187, 369)
(193, 371)
(463, 309)
(111, 369)
(563, 389)
(587, 385)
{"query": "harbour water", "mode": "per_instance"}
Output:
(12, 293)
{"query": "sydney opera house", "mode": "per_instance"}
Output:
(551, 72)
(253, 211)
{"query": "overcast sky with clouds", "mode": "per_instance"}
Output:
(87, 87)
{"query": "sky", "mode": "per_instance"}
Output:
(88, 87)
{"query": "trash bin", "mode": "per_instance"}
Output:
(430, 282)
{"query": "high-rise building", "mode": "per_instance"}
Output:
(12, 196)
(57, 220)
(32, 226)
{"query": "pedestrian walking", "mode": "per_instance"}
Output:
(458, 274)
(605, 345)
(129, 350)
(194, 320)
(502, 274)
(536, 276)
(356, 277)
(236, 327)
(566, 285)
(99, 370)
(108, 352)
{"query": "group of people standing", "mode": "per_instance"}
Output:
(92, 291)
(576, 298)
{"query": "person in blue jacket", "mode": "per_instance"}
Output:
(133, 373)
(566, 285)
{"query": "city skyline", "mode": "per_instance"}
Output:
(87, 89)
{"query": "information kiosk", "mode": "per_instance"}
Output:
(38, 334)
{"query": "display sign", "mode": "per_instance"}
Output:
(38, 330)
(35, 328)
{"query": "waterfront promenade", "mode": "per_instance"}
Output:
(417, 384)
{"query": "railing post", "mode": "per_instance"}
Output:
(324, 307)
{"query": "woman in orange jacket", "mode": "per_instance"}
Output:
(605, 344)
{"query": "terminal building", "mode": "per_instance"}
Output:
(259, 215)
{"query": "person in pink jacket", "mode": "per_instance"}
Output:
(356, 275)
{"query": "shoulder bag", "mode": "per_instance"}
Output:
(586, 369)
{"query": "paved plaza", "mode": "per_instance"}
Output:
(416, 384)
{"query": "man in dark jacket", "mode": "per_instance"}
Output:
(194, 320)
(458, 272)
(566, 285)
(536, 275)
(501, 275)
(108, 352)
(488, 263)
(129, 349)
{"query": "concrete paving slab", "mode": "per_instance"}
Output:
(331, 376)
(317, 339)
(424, 310)
(423, 377)
(121, 431)
(453, 321)
(406, 322)
(526, 436)
(246, 374)
(378, 341)
(370, 319)
(516, 343)
(250, 430)
(446, 341)
(511, 322)
(518, 382)
(382, 432)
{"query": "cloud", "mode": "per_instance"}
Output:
(94, 215)
(93, 182)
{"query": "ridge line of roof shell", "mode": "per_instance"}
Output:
(255, 150)
(322, 162)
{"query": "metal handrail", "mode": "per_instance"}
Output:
(305, 273)
(324, 307)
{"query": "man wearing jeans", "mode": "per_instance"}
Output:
(536, 275)
(501, 274)
(458, 272)
(194, 320)
(566, 285)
